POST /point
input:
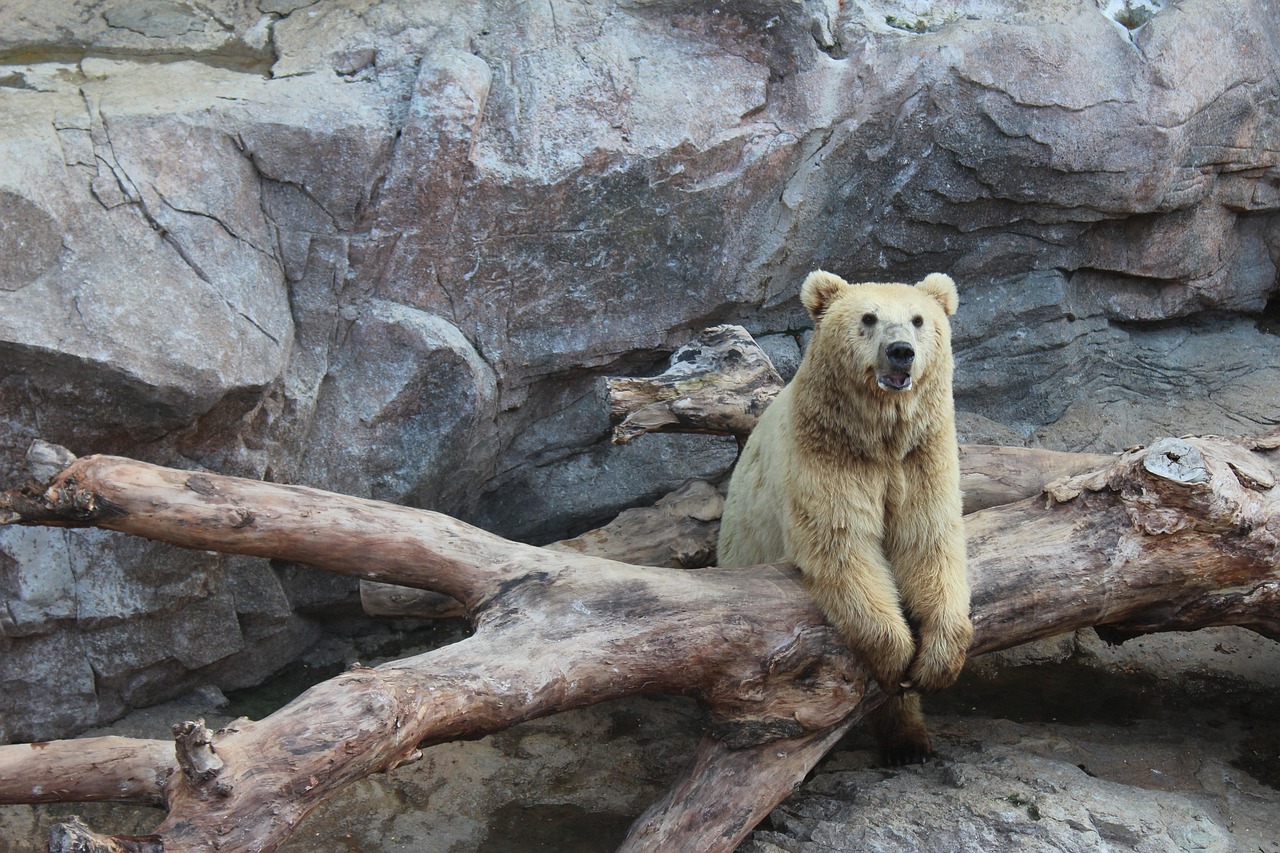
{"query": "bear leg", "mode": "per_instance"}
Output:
(860, 602)
(835, 530)
(944, 646)
(926, 546)
(900, 731)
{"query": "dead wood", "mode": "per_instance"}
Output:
(680, 530)
(87, 770)
(1178, 536)
(75, 837)
(991, 475)
(719, 383)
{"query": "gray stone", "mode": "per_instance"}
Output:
(36, 581)
(156, 308)
(224, 30)
(94, 624)
(155, 18)
(47, 687)
(402, 427)
(29, 239)
(577, 480)
(1024, 796)
(783, 351)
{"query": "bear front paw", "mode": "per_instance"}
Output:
(889, 662)
(942, 655)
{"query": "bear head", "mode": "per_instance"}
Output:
(892, 335)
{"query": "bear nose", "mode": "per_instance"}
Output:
(900, 354)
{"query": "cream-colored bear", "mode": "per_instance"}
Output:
(852, 473)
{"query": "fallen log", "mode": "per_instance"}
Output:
(1181, 535)
(680, 531)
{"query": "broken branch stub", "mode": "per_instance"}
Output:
(197, 757)
(720, 383)
(74, 837)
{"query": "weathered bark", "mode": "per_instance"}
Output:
(75, 837)
(720, 383)
(99, 769)
(991, 475)
(1178, 536)
(680, 531)
(723, 793)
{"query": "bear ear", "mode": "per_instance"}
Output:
(819, 290)
(942, 288)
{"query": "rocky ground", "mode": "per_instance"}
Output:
(1167, 743)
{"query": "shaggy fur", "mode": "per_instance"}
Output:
(853, 474)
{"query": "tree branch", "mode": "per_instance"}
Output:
(88, 770)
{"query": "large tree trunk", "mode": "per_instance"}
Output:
(1178, 536)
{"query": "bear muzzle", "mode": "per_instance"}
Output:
(896, 359)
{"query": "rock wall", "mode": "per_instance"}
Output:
(388, 248)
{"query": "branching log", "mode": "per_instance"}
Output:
(1177, 536)
(680, 531)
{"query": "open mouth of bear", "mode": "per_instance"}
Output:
(894, 381)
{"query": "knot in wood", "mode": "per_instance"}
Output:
(1177, 461)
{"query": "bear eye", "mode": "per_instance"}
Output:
(917, 321)
(868, 319)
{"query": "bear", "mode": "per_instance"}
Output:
(852, 473)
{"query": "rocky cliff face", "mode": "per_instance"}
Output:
(388, 248)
